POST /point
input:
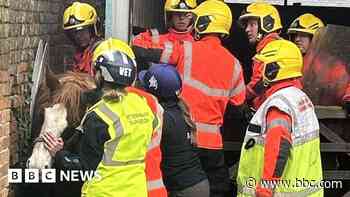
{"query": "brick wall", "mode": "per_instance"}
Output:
(22, 24)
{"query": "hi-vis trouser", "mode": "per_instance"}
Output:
(304, 162)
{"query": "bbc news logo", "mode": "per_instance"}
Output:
(50, 175)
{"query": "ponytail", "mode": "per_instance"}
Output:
(186, 114)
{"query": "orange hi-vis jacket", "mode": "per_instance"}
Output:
(83, 59)
(212, 77)
(152, 39)
(155, 185)
(258, 68)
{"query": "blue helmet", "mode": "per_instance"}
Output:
(161, 80)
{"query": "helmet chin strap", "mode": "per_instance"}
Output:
(189, 29)
(259, 37)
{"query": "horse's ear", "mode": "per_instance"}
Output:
(52, 81)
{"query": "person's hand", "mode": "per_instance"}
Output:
(52, 143)
(263, 192)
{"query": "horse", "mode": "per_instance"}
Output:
(59, 106)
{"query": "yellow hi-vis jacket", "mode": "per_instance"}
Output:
(302, 175)
(121, 172)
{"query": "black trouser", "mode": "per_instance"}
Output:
(213, 163)
(200, 189)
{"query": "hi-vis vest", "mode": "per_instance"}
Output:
(134, 129)
(304, 162)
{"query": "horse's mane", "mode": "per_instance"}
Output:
(68, 91)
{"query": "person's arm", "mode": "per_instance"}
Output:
(238, 90)
(165, 52)
(277, 148)
(91, 148)
(237, 107)
(155, 185)
(255, 86)
(145, 50)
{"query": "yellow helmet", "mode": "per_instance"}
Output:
(180, 5)
(267, 15)
(282, 59)
(185, 6)
(79, 16)
(213, 16)
(116, 61)
(307, 23)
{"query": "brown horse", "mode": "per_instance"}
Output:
(59, 105)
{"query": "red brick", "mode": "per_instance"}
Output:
(4, 156)
(5, 89)
(4, 129)
(4, 143)
(4, 76)
(5, 116)
(4, 166)
(17, 101)
(5, 103)
(22, 77)
(22, 68)
(4, 182)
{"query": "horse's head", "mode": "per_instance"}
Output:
(55, 121)
(72, 87)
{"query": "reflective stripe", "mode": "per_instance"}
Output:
(237, 69)
(198, 84)
(295, 142)
(155, 184)
(209, 128)
(108, 162)
(237, 90)
(168, 50)
(114, 117)
(110, 146)
(157, 125)
(285, 100)
(155, 36)
(279, 122)
(303, 193)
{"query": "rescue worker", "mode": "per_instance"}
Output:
(282, 139)
(302, 30)
(81, 26)
(262, 23)
(179, 21)
(181, 167)
(121, 133)
(212, 79)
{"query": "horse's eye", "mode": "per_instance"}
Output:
(46, 166)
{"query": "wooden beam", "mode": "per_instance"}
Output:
(330, 112)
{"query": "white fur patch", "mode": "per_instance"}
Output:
(55, 121)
